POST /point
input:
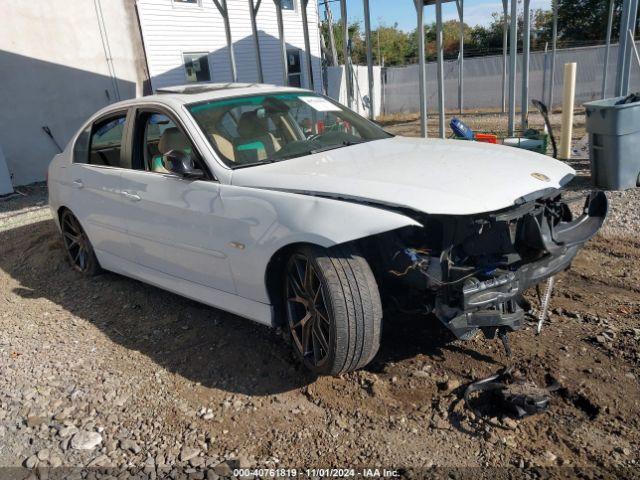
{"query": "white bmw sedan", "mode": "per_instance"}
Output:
(286, 208)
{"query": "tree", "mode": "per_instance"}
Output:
(585, 21)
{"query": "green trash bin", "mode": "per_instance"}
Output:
(614, 143)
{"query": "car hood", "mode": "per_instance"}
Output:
(450, 177)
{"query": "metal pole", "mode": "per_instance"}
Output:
(367, 35)
(633, 45)
(544, 71)
(283, 44)
(627, 23)
(222, 8)
(307, 44)
(253, 10)
(345, 50)
(526, 37)
(421, 67)
(608, 48)
(440, 49)
(505, 39)
(513, 52)
(622, 45)
(460, 6)
(332, 40)
(554, 45)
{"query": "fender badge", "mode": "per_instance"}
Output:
(540, 176)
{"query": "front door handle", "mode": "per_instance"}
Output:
(132, 196)
(78, 183)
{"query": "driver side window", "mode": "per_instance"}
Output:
(158, 135)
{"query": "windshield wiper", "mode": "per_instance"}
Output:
(346, 143)
(252, 164)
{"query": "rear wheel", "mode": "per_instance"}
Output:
(77, 244)
(333, 309)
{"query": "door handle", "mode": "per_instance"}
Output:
(131, 196)
(78, 183)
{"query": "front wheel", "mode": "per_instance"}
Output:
(333, 309)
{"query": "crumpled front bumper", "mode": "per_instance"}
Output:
(493, 303)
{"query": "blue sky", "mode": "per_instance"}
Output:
(388, 12)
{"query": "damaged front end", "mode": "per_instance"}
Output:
(471, 271)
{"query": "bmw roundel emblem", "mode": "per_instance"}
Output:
(540, 176)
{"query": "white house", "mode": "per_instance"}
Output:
(185, 41)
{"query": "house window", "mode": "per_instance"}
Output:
(288, 4)
(196, 67)
(294, 68)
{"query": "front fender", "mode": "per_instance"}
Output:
(264, 221)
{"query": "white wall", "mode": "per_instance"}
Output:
(337, 88)
(54, 73)
(171, 29)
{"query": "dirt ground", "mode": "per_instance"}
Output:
(173, 387)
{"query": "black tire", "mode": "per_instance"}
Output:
(77, 245)
(338, 296)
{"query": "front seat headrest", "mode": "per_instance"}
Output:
(251, 126)
(173, 139)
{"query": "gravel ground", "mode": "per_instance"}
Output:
(110, 374)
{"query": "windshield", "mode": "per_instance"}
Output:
(267, 128)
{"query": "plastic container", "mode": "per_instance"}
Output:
(461, 130)
(486, 137)
(531, 144)
(614, 143)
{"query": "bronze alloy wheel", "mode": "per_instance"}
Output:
(307, 313)
(77, 245)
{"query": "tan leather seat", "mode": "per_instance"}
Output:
(171, 139)
(224, 146)
(255, 142)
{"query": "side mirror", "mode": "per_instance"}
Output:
(181, 163)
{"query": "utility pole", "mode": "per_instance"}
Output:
(332, 40)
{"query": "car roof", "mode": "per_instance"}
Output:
(201, 92)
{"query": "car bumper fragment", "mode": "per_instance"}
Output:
(495, 303)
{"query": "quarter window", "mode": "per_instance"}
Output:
(81, 148)
(196, 67)
(106, 141)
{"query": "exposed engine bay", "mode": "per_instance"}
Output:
(471, 271)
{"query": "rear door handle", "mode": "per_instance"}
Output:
(132, 196)
(78, 183)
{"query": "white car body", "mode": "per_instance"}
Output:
(213, 240)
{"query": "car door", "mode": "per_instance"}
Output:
(173, 222)
(95, 197)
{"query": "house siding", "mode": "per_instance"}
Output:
(170, 29)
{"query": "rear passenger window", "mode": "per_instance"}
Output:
(106, 141)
